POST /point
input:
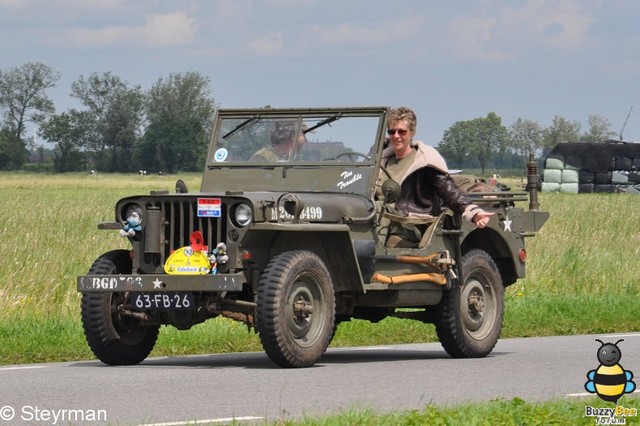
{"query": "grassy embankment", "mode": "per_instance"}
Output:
(514, 412)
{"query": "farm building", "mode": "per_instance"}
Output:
(610, 166)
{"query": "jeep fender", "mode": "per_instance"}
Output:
(494, 243)
(332, 242)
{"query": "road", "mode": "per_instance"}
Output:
(248, 386)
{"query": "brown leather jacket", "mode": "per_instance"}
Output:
(427, 184)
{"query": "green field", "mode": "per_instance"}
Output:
(582, 278)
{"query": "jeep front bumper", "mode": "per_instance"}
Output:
(160, 283)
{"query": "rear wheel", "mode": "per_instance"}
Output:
(469, 317)
(296, 309)
(113, 338)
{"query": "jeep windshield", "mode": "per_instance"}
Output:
(312, 149)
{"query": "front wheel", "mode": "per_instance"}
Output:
(469, 316)
(113, 338)
(296, 309)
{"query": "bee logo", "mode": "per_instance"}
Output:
(610, 381)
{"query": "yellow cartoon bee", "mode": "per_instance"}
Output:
(610, 381)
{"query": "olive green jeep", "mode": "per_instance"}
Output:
(295, 243)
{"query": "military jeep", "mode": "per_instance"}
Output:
(294, 246)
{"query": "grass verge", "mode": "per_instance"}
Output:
(513, 412)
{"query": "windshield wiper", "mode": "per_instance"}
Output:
(323, 122)
(240, 126)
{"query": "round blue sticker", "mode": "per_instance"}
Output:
(221, 155)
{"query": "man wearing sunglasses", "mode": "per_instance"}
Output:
(424, 181)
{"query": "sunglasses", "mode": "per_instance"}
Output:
(392, 132)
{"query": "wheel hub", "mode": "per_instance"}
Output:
(476, 303)
(474, 298)
(302, 308)
(300, 318)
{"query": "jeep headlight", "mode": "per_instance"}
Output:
(242, 215)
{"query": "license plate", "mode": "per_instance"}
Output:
(162, 300)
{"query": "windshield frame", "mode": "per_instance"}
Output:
(349, 174)
(309, 123)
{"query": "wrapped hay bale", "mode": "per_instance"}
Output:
(550, 187)
(623, 163)
(619, 177)
(603, 178)
(569, 176)
(554, 164)
(634, 177)
(604, 188)
(586, 188)
(552, 175)
(633, 189)
(608, 166)
(586, 177)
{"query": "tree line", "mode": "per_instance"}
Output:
(485, 142)
(119, 128)
(123, 128)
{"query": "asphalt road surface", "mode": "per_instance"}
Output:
(247, 386)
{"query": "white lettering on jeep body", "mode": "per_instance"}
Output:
(308, 213)
(104, 283)
(348, 178)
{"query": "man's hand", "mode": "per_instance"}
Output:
(481, 219)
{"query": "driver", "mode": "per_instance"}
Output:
(282, 139)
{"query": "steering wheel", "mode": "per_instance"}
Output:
(352, 155)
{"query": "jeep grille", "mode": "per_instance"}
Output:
(178, 219)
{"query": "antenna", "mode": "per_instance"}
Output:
(625, 122)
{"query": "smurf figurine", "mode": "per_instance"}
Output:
(218, 256)
(132, 225)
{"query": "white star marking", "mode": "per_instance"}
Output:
(157, 283)
(507, 224)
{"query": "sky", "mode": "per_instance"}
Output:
(448, 60)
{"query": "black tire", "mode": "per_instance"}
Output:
(469, 317)
(290, 337)
(114, 339)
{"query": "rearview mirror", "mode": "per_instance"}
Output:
(390, 190)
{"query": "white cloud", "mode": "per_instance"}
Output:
(171, 29)
(376, 33)
(558, 24)
(166, 30)
(501, 34)
(269, 44)
(231, 10)
(471, 36)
